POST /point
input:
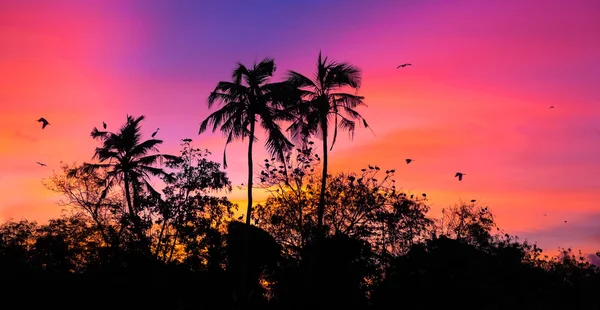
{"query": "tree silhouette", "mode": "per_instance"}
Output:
(83, 191)
(323, 102)
(189, 216)
(125, 158)
(248, 99)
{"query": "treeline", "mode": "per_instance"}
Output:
(183, 249)
(320, 241)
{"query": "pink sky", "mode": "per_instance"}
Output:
(475, 100)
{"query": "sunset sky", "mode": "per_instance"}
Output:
(475, 100)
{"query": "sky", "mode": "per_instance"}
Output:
(476, 99)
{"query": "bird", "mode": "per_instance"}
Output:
(424, 195)
(551, 107)
(104, 125)
(409, 160)
(459, 175)
(188, 140)
(154, 133)
(41, 164)
(403, 65)
(44, 122)
(473, 200)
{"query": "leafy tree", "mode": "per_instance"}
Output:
(84, 191)
(190, 216)
(365, 206)
(469, 222)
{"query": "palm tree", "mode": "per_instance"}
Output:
(324, 101)
(125, 157)
(248, 99)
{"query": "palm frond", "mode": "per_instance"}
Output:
(90, 167)
(220, 116)
(344, 74)
(348, 100)
(299, 81)
(145, 147)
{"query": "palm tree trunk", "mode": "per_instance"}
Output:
(321, 210)
(128, 194)
(134, 217)
(311, 279)
(250, 174)
(246, 246)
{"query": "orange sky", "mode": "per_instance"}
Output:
(475, 100)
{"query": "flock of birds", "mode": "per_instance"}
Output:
(458, 175)
(46, 123)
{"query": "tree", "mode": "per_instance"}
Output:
(195, 219)
(365, 206)
(247, 99)
(125, 158)
(324, 99)
(468, 222)
(83, 191)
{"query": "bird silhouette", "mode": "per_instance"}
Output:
(459, 175)
(408, 160)
(424, 195)
(473, 200)
(104, 125)
(551, 107)
(403, 65)
(41, 164)
(188, 140)
(154, 133)
(44, 122)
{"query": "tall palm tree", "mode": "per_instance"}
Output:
(325, 104)
(250, 98)
(125, 157)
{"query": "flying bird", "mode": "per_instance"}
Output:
(408, 160)
(44, 122)
(154, 133)
(41, 164)
(459, 175)
(188, 140)
(104, 125)
(551, 107)
(403, 65)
